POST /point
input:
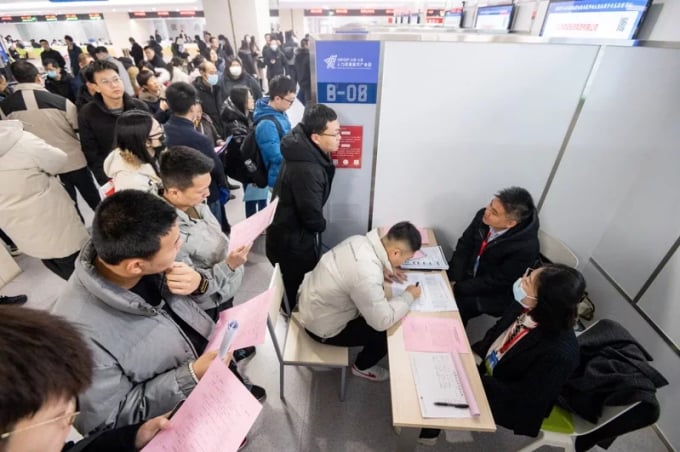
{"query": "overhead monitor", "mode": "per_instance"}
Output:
(494, 18)
(599, 19)
(453, 17)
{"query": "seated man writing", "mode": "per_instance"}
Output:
(147, 342)
(500, 243)
(342, 301)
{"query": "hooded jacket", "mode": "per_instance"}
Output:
(348, 283)
(140, 353)
(504, 260)
(267, 137)
(129, 173)
(245, 79)
(36, 211)
(97, 126)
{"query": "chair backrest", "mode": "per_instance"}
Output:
(556, 251)
(276, 281)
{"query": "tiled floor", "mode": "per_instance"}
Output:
(312, 418)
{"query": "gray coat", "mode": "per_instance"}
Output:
(204, 247)
(141, 355)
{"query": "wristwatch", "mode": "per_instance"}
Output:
(202, 286)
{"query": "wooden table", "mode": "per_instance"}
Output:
(405, 406)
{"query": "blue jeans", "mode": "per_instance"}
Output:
(216, 209)
(252, 207)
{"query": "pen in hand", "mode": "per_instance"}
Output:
(417, 283)
(454, 405)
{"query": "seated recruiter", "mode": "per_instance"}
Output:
(342, 301)
(499, 244)
(147, 342)
(530, 353)
(185, 173)
(45, 364)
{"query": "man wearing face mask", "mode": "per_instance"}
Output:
(274, 58)
(58, 81)
(209, 92)
(499, 244)
(234, 75)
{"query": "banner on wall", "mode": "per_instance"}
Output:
(347, 71)
(349, 153)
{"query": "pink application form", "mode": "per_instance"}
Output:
(245, 232)
(215, 417)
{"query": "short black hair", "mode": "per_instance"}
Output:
(316, 117)
(129, 224)
(68, 38)
(51, 62)
(517, 202)
(304, 42)
(87, 73)
(24, 72)
(560, 288)
(100, 66)
(143, 77)
(42, 358)
(101, 49)
(281, 85)
(180, 164)
(181, 96)
(407, 233)
(132, 132)
(43, 40)
(148, 47)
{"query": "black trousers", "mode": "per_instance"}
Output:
(357, 333)
(472, 306)
(81, 179)
(63, 267)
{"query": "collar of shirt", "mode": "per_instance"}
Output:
(494, 233)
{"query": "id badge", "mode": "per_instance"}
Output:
(490, 362)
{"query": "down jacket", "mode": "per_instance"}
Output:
(267, 137)
(141, 356)
(36, 212)
(348, 283)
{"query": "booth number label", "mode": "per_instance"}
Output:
(347, 93)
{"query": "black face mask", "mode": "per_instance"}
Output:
(158, 149)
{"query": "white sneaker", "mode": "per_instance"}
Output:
(374, 373)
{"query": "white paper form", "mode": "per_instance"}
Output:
(435, 296)
(437, 380)
(432, 258)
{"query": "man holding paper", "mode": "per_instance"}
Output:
(342, 301)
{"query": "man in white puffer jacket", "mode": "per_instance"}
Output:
(35, 209)
(342, 301)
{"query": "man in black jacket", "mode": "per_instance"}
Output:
(73, 51)
(136, 51)
(303, 72)
(97, 119)
(303, 187)
(209, 91)
(51, 54)
(495, 250)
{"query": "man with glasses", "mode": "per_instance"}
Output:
(45, 365)
(97, 119)
(102, 54)
(303, 187)
(495, 249)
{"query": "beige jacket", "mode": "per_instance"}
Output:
(347, 283)
(35, 210)
(47, 116)
(128, 172)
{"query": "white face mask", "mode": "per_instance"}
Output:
(274, 46)
(235, 70)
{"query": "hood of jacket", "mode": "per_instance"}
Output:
(10, 133)
(262, 108)
(525, 230)
(297, 147)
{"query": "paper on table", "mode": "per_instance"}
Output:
(245, 232)
(435, 296)
(433, 334)
(437, 380)
(252, 321)
(216, 416)
(424, 236)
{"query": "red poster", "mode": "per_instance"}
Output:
(349, 153)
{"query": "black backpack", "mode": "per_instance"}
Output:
(243, 159)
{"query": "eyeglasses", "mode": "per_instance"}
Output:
(291, 102)
(334, 135)
(113, 81)
(70, 418)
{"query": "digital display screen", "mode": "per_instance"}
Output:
(498, 17)
(598, 19)
(453, 17)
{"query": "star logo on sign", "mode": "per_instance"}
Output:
(330, 61)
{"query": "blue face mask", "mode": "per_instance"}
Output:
(212, 79)
(519, 292)
(52, 74)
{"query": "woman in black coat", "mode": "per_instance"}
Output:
(529, 354)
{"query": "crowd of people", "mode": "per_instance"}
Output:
(147, 283)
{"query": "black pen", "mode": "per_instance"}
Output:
(454, 405)
(417, 283)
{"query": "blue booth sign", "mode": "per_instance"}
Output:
(347, 71)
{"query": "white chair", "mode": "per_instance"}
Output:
(555, 250)
(299, 349)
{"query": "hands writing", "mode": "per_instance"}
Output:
(415, 291)
(238, 257)
(182, 279)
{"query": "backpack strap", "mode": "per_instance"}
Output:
(273, 119)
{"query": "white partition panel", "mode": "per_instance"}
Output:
(458, 121)
(615, 194)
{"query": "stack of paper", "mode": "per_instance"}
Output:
(245, 232)
(432, 259)
(438, 386)
(435, 296)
